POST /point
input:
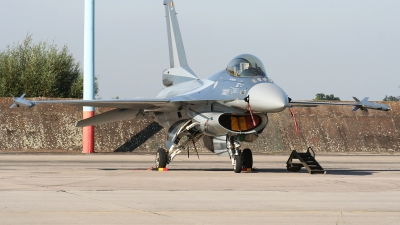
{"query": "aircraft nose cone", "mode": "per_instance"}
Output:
(267, 97)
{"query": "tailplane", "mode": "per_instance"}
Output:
(180, 70)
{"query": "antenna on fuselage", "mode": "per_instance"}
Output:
(180, 70)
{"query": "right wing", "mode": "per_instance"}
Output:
(124, 109)
(114, 103)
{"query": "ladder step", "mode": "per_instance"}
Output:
(297, 164)
(318, 172)
(308, 158)
(307, 161)
(315, 167)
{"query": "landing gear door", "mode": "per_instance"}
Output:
(216, 145)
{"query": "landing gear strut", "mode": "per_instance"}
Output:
(240, 159)
(182, 135)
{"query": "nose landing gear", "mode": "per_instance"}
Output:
(241, 160)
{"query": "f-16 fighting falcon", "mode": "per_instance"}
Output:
(230, 107)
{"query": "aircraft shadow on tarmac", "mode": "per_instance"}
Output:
(140, 138)
(357, 172)
(197, 169)
(347, 172)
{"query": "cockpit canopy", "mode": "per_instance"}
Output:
(246, 65)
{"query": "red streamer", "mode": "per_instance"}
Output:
(295, 121)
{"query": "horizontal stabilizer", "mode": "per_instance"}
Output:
(108, 117)
(178, 75)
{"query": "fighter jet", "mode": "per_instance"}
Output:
(230, 107)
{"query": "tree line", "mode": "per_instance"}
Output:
(40, 70)
(391, 98)
(331, 97)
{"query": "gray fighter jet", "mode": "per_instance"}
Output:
(230, 107)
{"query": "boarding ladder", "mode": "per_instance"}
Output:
(307, 160)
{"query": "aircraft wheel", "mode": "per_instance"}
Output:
(238, 164)
(161, 158)
(247, 158)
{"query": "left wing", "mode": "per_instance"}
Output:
(363, 105)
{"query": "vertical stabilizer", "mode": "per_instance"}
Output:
(179, 71)
(177, 54)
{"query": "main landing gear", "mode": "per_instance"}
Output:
(242, 160)
(161, 158)
(186, 135)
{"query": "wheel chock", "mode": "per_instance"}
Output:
(162, 169)
(246, 169)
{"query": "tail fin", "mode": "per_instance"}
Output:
(180, 70)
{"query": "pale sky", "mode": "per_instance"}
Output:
(341, 47)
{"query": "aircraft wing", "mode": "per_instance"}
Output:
(363, 105)
(113, 103)
(315, 104)
(139, 103)
(123, 109)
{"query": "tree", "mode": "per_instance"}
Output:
(391, 98)
(40, 70)
(321, 96)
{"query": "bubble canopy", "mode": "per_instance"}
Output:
(246, 65)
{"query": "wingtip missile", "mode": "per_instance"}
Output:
(22, 102)
(365, 105)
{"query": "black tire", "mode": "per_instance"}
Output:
(161, 158)
(238, 165)
(247, 158)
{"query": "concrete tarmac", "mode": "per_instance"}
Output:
(120, 189)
